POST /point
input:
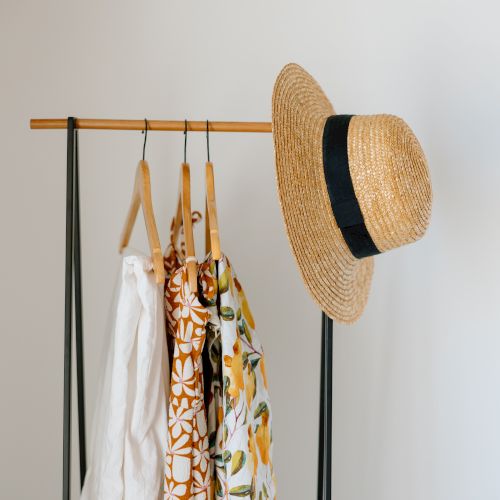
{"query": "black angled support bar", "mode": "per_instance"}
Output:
(68, 309)
(73, 269)
(80, 375)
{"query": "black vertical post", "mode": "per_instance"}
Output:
(68, 306)
(321, 433)
(328, 346)
(326, 411)
(78, 320)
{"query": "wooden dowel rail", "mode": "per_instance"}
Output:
(163, 125)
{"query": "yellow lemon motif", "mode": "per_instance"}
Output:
(252, 450)
(263, 438)
(250, 385)
(236, 365)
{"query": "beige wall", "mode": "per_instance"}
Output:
(417, 405)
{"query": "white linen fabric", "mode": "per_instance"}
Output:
(130, 424)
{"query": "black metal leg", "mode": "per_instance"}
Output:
(321, 433)
(73, 265)
(325, 423)
(68, 306)
(78, 321)
(328, 346)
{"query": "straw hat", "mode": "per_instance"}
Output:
(350, 187)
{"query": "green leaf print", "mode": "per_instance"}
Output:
(226, 456)
(255, 362)
(227, 383)
(218, 488)
(241, 491)
(262, 408)
(238, 461)
(264, 489)
(246, 331)
(210, 302)
(227, 313)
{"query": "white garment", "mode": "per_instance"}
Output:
(130, 424)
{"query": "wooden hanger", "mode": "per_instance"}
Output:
(141, 196)
(183, 218)
(212, 241)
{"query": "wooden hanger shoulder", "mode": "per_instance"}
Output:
(187, 221)
(141, 196)
(211, 223)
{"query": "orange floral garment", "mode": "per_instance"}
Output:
(187, 471)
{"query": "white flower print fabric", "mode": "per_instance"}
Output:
(239, 409)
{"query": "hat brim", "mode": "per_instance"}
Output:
(337, 281)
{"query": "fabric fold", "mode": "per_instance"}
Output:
(130, 422)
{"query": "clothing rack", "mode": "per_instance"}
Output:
(73, 291)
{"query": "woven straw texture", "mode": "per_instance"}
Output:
(390, 178)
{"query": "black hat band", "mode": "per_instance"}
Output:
(345, 205)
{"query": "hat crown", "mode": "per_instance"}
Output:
(391, 180)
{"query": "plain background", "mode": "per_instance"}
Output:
(416, 396)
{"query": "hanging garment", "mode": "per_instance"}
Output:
(187, 471)
(239, 409)
(130, 424)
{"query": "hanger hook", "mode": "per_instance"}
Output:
(208, 145)
(145, 132)
(185, 138)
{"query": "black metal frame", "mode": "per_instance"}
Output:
(74, 290)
